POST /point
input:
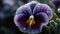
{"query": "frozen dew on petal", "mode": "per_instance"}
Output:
(31, 17)
(25, 9)
(43, 8)
(32, 5)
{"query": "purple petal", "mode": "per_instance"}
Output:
(25, 9)
(43, 8)
(32, 4)
(20, 21)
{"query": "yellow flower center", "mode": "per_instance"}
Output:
(31, 21)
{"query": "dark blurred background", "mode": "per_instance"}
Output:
(7, 12)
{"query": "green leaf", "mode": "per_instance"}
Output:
(54, 16)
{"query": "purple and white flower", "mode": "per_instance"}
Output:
(32, 16)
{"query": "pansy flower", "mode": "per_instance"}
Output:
(32, 16)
